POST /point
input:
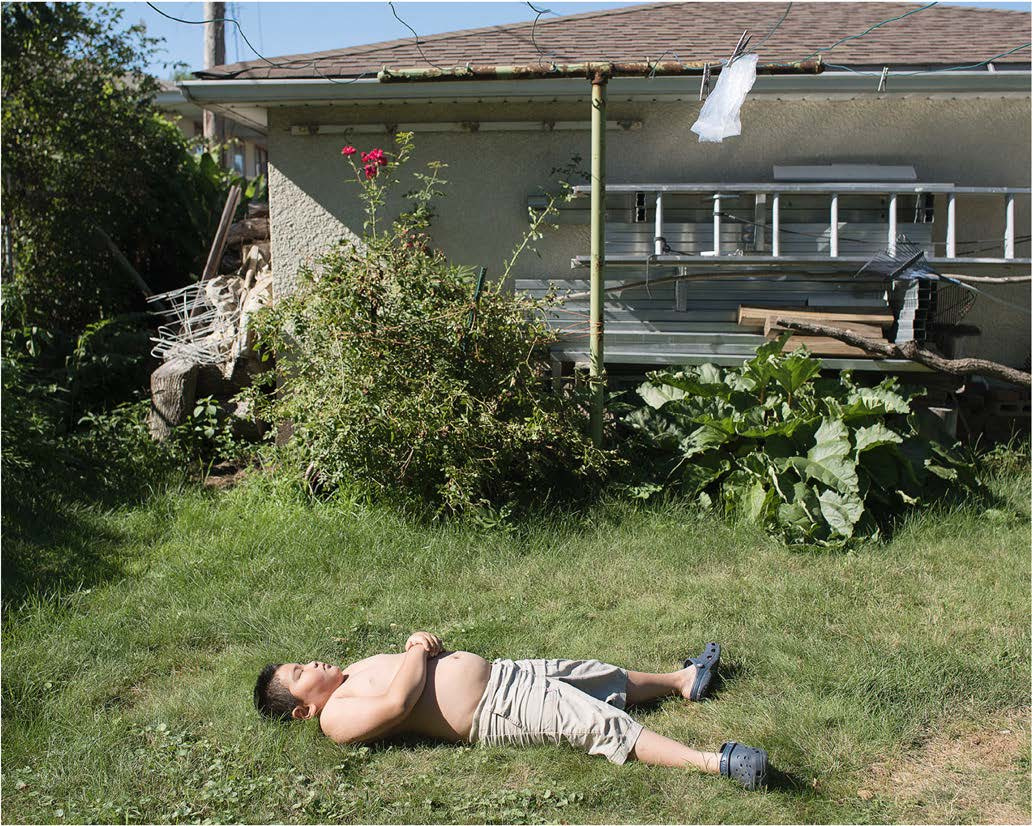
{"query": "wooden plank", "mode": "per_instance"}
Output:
(757, 316)
(649, 357)
(218, 244)
(822, 346)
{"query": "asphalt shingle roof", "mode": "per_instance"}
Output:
(935, 37)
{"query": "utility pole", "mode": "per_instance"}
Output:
(214, 55)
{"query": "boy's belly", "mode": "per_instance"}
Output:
(455, 682)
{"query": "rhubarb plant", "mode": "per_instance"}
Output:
(818, 461)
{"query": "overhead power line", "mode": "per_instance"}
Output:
(934, 71)
(869, 30)
(312, 63)
(419, 45)
(777, 26)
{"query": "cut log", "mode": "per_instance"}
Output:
(173, 392)
(250, 229)
(911, 352)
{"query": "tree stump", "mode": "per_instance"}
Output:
(173, 391)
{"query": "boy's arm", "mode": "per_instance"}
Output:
(360, 719)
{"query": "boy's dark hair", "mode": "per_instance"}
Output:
(271, 697)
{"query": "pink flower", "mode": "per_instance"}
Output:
(374, 156)
(348, 151)
(370, 170)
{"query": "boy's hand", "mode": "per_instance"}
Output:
(433, 644)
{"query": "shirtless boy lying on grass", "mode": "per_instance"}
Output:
(459, 697)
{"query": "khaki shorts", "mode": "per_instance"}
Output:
(578, 702)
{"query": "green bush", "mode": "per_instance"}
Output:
(817, 461)
(405, 374)
(87, 155)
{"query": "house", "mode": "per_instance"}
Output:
(917, 123)
(249, 155)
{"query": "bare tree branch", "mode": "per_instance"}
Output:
(911, 352)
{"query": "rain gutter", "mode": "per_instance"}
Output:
(301, 91)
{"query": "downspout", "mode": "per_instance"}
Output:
(597, 367)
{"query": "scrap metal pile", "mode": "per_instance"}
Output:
(206, 339)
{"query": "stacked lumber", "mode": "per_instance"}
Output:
(870, 324)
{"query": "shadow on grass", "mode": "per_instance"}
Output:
(57, 535)
(57, 550)
(780, 781)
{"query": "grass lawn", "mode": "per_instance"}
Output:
(888, 684)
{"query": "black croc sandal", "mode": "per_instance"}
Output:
(745, 764)
(707, 663)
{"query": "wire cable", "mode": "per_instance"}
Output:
(933, 71)
(261, 37)
(533, 34)
(234, 9)
(777, 25)
(228, 75)
(419, 45)
(868, 30)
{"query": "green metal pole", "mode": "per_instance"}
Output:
(598, 251)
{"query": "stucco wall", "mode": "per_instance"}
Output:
(968, 141)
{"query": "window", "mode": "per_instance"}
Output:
(261, 161)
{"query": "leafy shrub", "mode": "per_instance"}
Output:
(818, 461)
(408, 375)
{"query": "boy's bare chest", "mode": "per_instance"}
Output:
(371, 676)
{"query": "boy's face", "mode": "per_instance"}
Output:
(311, 683)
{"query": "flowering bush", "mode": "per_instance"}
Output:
(407, 375)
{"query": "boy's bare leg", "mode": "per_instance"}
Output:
(642, 687)
(657, 750)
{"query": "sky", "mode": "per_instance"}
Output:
(283, 28)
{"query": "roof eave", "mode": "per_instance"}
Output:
(285, 92)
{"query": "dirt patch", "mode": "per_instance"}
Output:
(225, 475)
(962, 775)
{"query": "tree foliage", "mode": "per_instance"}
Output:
(84, 150)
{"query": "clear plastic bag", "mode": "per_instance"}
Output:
(719, 116)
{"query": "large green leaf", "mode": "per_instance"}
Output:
(831, 441)
(882, 464)
(834, 471)
(659, 430)
(700, 471)
(801, 518)
(709, 374)
(778, 427)
(881, 399)
(656, 395)
(875, 435)
(841, 512)
(665, 387)
(795, 371)
(755, 501)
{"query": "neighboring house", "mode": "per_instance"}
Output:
(932, 122)
(248, 153)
